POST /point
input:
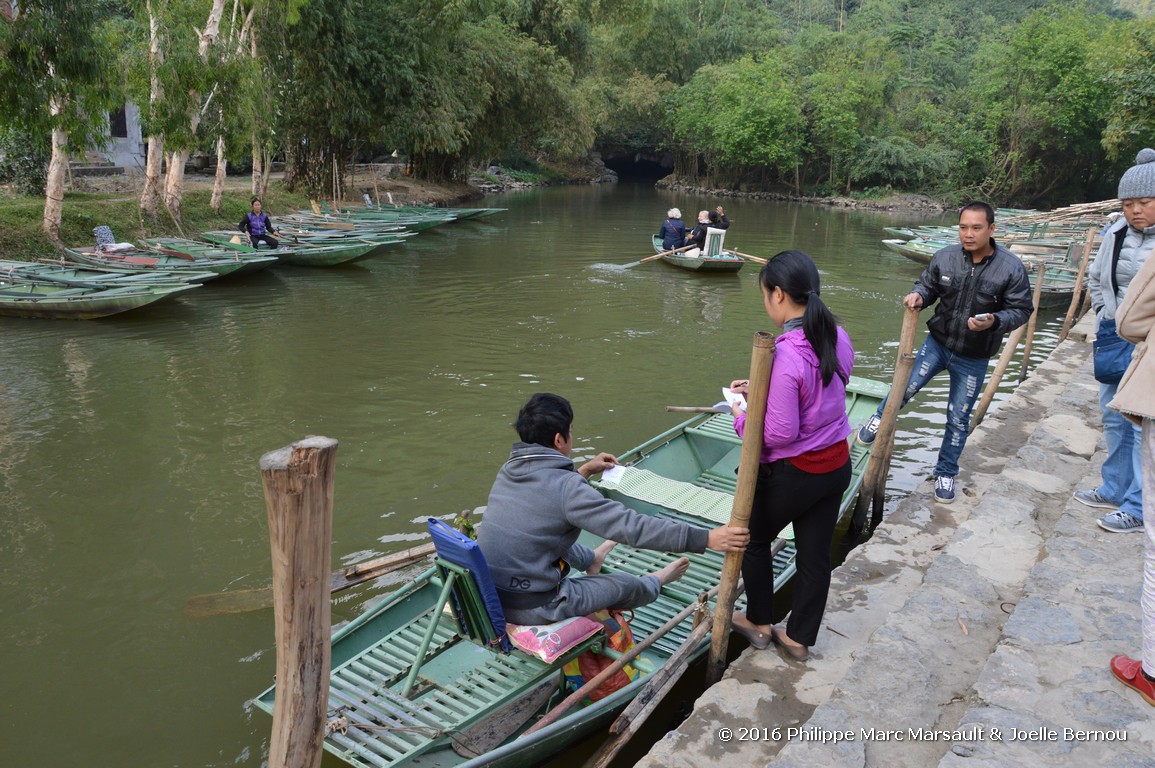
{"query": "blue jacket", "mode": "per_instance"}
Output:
(673, 234)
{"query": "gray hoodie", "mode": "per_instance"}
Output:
(539, 505)
(1133, 247)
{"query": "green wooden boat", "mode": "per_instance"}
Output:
(385, 710)
(148, 260)
(303, 254)
(69, 273)
(717, 260)
(204, 252)
(54, 301)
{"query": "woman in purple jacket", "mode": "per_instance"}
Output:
(805, 464)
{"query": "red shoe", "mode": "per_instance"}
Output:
(1130, 673)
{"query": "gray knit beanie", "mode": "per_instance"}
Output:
(1139, 180)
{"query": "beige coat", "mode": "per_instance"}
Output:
(1136, 323)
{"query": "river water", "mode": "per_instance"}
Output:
(129, 447)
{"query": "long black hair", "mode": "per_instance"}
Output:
(795, 273)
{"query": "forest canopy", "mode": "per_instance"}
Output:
(1016, 101)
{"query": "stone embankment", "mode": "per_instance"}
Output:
(973, 634)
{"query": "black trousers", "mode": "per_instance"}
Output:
(785, 494)
(256, 240)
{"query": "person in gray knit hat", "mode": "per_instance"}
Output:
(1127, 243)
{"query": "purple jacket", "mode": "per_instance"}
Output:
(801, 414)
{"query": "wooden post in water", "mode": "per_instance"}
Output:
(1025, 368)
(996, 377)
(761, 362)
(872, 494)
(1069, 319)
(298, 482)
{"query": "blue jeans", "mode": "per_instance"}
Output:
(1122, 469)
(966, 382)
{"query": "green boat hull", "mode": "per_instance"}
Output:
(52, 301)
(328, 255)
(462, 683)
(725, 263)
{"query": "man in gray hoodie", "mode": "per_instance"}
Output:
(540, 504)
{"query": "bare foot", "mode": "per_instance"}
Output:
(673, 571)
(600, 553)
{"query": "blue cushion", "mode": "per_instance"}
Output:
(455, 547)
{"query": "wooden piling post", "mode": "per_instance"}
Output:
(1069, 319)
(298, 483)
(996, 377)
(1025, 368)
(761, 363)
(873, 490)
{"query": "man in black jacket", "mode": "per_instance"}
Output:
(983, 293)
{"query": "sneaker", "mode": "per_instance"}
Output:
(944, 489)
(1093, 499)
(1120, 522)
(869, 431)
(1130, 673)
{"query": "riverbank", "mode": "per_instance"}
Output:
(979, 631)
(895, 201)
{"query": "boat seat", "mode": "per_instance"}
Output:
(714, 240)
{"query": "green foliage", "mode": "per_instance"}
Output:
(54, 70)
(23, 161)
(895, 161)
(741, 115)
(1043, 104)
(1130, 79)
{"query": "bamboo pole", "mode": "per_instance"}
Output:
(1067, 321)
(761, 363)
(1025, 368)
(1012, 343)
(298, 483)
(873, 490)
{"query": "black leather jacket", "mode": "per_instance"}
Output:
(963, 289)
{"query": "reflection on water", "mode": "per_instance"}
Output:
(129, 446)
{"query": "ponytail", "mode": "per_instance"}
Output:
(795, 273)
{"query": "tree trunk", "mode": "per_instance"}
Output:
(54, 186)
(174, 182)
(150, 195)
(219, 180)
(258, 167)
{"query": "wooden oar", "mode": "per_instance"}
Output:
(171, 252)
(241, 601)
(657, 256)
(757, 259)
(719, 408)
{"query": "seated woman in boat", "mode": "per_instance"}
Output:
(673, 231)
(538, 506)
(805, 463)
(718, 218)
(697, 236)
(258, 225)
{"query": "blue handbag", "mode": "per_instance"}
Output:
(1112, 353)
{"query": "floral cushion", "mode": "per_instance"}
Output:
(550, 641)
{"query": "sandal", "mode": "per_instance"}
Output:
(759, 640)
(793, 652)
